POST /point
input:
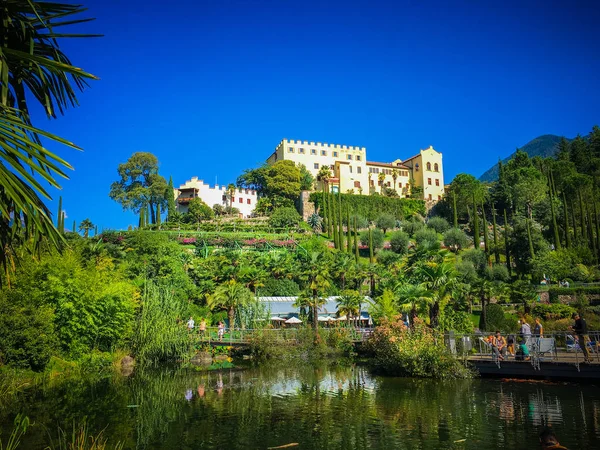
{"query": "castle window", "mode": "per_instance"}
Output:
(358, 169)
(399, 185)
(417, 167)
(291, 150)
(350, 169)
(313, 151)
(428, 166)
(248, 201)
(439, 197)
(241, 200)
(349, 157)
(358, 157)
(429, 181)
(430, 197)
(335, 154)
(323, 153)
(316, 166)
(437, 182)
(301, 150)
(436, 167)
(332, 167)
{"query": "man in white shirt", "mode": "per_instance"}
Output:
(191, 323)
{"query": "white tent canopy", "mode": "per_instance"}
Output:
(325, 319)
(293, 320)
(278, 319)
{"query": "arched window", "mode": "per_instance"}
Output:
(417, 167)
(436, 167)
(428, 166)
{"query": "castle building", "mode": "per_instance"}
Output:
(353, 173)
(242, 199)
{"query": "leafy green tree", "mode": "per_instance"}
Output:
(399, 242)
(139, 185)
(315, 222)
(219, 210)
(385, 308)
(377, 238)
(199, 211)
(316, 277)
(306, 179)
(32, 63)
(385, 222)
(229, 296)
(439, 224)
(285, 217)
(349, 303)
(464, 187)
(86, 225)
(413, 298)
(456, 240)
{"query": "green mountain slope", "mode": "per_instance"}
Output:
(543, 146)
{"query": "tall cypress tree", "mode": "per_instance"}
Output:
(486, 244)
(566, 213)
(336, 240)
(59, 216)
(349, 229)
(454, 212)
(529, 240)
(96, 230)
(582, 221)
(554, 223)
(476, 240)
(597, 228)
(506, 245)
(330, 218)
(158, 219)
(575, 236)
(171, 206)
(591, 232)
(62, 222)
(340, 222)
(141, 219)
(356, 252)
(74, 227)
(371, 254)
(496, 249)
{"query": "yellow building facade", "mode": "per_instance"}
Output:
(353, 173)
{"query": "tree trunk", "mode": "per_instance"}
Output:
(575, 236)
(434, 315)
(566, 213)
(315, 311)
(582, 221)
(506, 246)
(496, 250)
(454, 212)
(476, 240)
(531, 251)
(356, 252)
(231, 317)
(152, 213)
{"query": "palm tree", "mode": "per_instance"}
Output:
(438, 278)
(229, 297)
(395, 176)
(253, 276)
(315, 274)
(231, 196)
(412, 297)
(348, 304)
(86, 225)
(324, 175)
(342, 264)
(32, 62)
(381, 179)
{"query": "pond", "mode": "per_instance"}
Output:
(317, 407)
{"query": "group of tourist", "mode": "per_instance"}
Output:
(191, 324)
(502, 346)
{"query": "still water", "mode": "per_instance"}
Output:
(316, 407)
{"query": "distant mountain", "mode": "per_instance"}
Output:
(543, 146)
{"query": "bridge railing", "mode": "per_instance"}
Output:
(245, 336)
(558, 346)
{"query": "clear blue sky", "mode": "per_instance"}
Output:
(211, 87)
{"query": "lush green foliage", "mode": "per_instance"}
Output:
(399, 241)
(418, 352)
(455, 239)
(385, 222)
(285, 217)
(377, 235)
(553, 311)
(372, 207)
(439, 224)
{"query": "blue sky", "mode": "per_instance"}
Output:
(211, 87)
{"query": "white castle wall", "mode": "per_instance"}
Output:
(244, 199)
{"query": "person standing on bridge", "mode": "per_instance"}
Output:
(580, 329)
(221, 330)
(190, 324)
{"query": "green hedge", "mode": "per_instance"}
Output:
(577, 291)
(373, 206)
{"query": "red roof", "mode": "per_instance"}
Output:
(373, 163)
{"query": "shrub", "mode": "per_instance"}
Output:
(387, 257)
(426, 234)
(412, 226)
(494, 316)
(378, 238)
(372, 206)
(419, 352)
(455, 239)
(285, 217)
(439, 224)
(476, 257)
(553, 311)
(280, 287)
(361, 221)
(454, 320)
(385, 222)
(399, 242)
(27, 337)
(497, 272)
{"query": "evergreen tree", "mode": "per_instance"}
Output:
(62, 222)
(356, 252)
(531, 251)
(486, 244)
(476, 240)
(371, 254)
(336, 240)
(171, 206)
(340, 222)
(554, 223)
(496, 249)
(582, 217)
(349, 228)
(158, 218)
(575, 236)
(566, 214)
(59, 216)
(454, 211)
(96, 230)
(74, 227)
(506, 245)
(330, 218)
